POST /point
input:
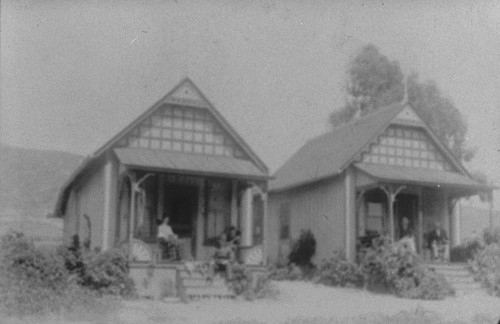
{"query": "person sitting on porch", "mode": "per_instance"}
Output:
(438, 242)
(233, 237)
(406, 235)
(223, 257)
(167, 241)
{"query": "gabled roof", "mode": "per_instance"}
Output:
(330, 154)
(187, 94)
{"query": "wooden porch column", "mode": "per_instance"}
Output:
(234, 203)
(106, 222)
(455, 222)
(264, 228)
(135, 187)
(391, 193)
(246, 218)
(160, 207)
(420, 211)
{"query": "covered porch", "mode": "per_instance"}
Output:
(200, 209)
(387, 194)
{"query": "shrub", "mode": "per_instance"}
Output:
(486, 267)
(394, 268)
(465, 251)
(31, 280)
(491, 235)
(107, 273)
(251, 286)
(303, 250)
(339, 272)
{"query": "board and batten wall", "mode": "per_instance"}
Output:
(318, 207)
(86, 198)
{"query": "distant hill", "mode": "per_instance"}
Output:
(29, 183)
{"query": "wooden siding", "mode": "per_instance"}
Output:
(91, 203)
(318, 207)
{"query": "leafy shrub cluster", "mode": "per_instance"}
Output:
(339, 272)
(38, 281)
(384, 267)
(303, 250)
(396, 269)
(465, 251)
(104, 272)
(486, 267)
(255, 286)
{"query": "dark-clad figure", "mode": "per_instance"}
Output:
(438, 242)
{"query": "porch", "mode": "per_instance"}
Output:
(200, 209)
(386, 195)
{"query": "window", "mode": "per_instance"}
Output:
(285, 221)
(374, 218)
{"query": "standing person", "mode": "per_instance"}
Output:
(438, 241)
(406, 235)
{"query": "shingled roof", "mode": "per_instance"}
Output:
(330, 154)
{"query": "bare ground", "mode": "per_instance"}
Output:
(299, 302)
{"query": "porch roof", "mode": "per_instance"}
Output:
(418, 176)
(190, 163)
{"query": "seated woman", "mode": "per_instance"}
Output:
(406, 236)
(167, 241)
(223, 257)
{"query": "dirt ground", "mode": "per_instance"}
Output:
(297, 302)
(305, 300)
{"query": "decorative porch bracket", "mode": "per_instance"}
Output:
(391, 192)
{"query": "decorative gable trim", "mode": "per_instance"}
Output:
(409, 117)
(186, 93)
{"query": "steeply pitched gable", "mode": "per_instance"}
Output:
(360, 140)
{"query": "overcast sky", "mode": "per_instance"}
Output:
(73, 73)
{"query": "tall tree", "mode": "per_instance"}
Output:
(375, 81)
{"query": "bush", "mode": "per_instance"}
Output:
(303, 250)
(394, 268)
(465, 251)
(107, 273)
(31, 280)
(339, 272)
(251, 286)
(36, 281)
(491, 235)
(486, 267)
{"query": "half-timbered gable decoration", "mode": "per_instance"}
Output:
(408, 147)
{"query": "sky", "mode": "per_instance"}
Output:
(74, 73)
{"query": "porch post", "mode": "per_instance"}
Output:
(246, 218)
(391, 198)
(161, 193)
(264, 228)
(234, 203)
(131, 214)
(108, 169)
(455, 222)
(420, 210)
(349, 220)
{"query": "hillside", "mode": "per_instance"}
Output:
(29, 183)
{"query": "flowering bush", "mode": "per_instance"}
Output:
(251, 286)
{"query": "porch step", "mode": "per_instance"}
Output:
(459, 276)
(193, 286)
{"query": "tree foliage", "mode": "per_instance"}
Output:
(375, 81)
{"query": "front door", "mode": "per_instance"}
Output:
(406, 206)
(181, 206)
